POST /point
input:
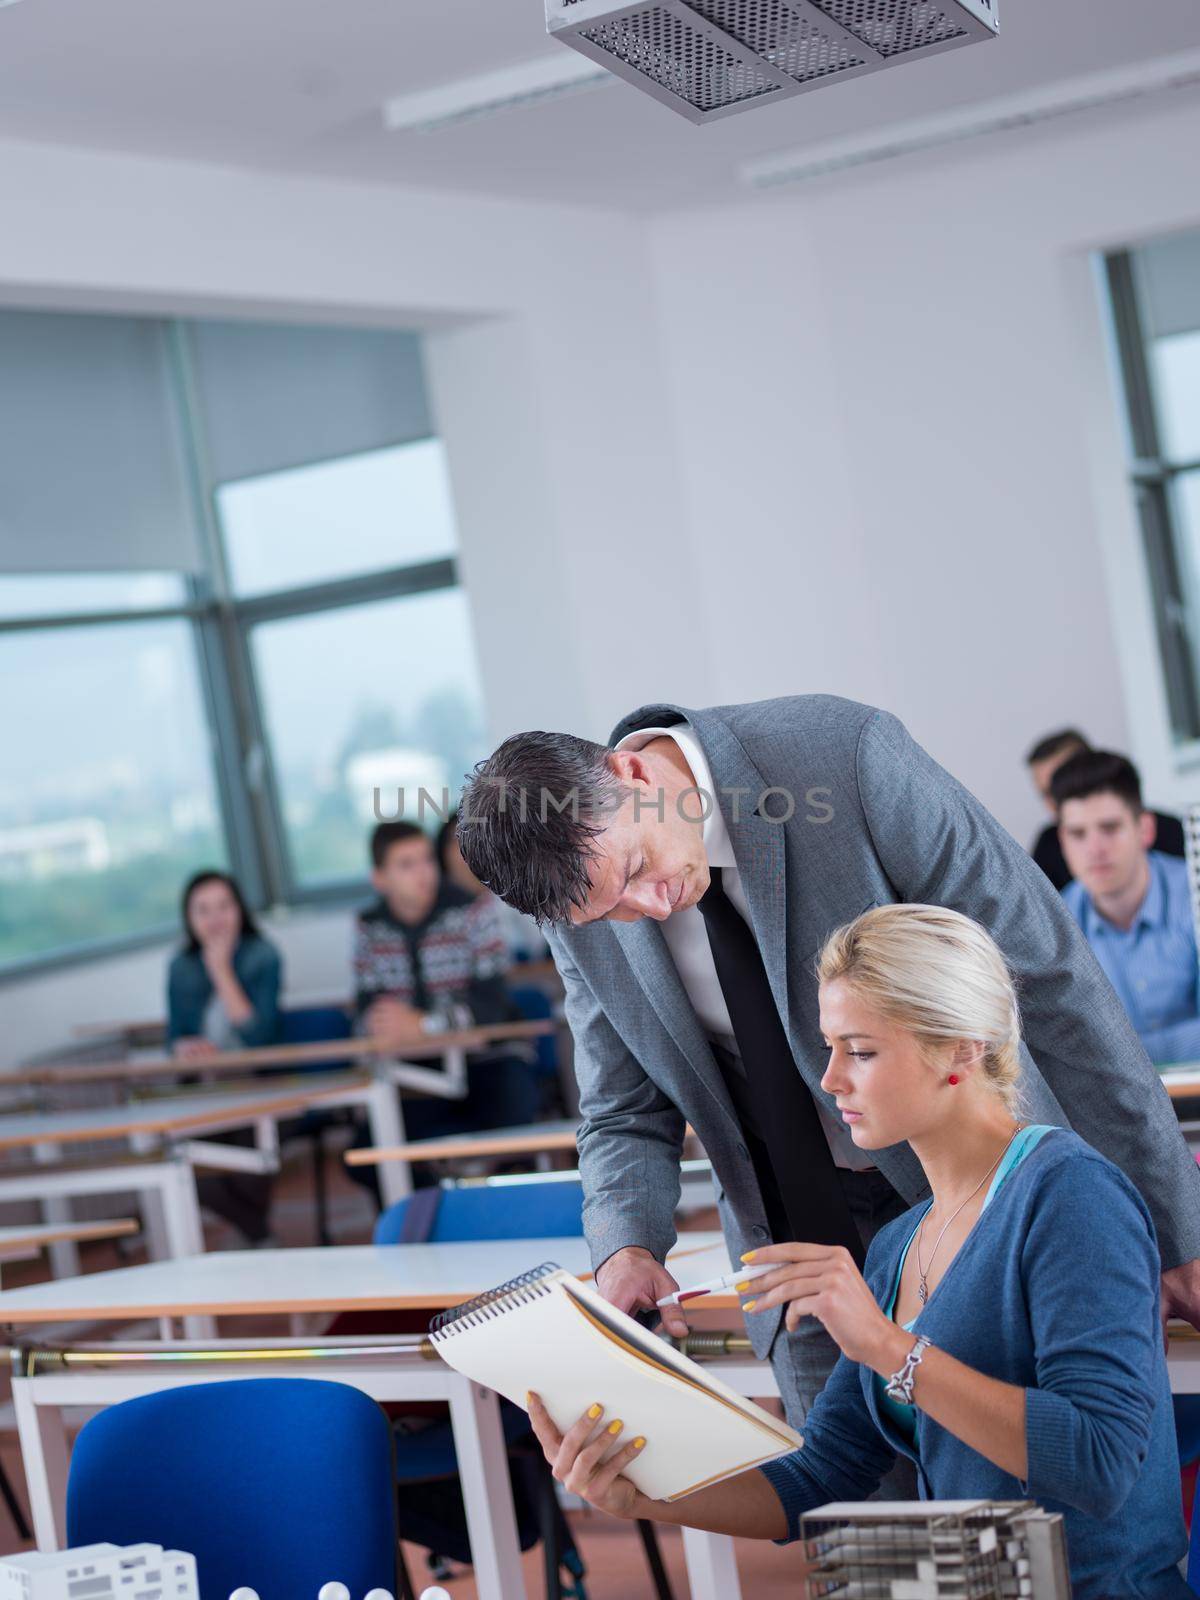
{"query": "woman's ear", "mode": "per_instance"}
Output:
(968, 1056)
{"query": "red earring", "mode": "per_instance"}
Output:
(953, 1078)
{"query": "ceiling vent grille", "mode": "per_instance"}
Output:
(709, 58)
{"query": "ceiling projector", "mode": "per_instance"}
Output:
(709, 58)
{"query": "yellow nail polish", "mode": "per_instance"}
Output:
(639, 1443)
(742, 1287)
(615, 1427)
(749, 1255)
(750, 1305)
(594, 1412)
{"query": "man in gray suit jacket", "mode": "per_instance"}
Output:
(689, 873)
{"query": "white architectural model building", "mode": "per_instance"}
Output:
(931, 1550)
(100, 1571)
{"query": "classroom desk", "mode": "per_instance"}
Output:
(534, 1139)
(21, 1243)
(231, 1283)
(236, 1283)
(1183, 1082)
(176, 1124)
(452, 1048)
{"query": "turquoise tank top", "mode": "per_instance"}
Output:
(902, 1417)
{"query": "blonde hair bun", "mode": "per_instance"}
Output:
(938, 974)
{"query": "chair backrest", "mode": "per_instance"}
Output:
(281, 1484)
(314, 1025)
(534, 1006)
(530, 1210)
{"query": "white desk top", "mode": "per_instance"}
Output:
(533, 1138)
(196, 1112)
(336, 1278)
(21, 1240)
(1182, 1082)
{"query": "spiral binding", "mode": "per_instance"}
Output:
(516, 1292)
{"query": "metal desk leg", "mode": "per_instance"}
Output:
(63, 1253)
(487, 1493)
(43, 1439)
(153, 1205)
(711, 1565)
(184, 1233)
(385, 1118)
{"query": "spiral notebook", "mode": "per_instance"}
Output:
(549, 1332)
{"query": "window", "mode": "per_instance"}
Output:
(366, 700)
(338, 519)
(1155, 296)
(107, 800)
(307, 655)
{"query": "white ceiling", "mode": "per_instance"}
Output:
(297, 86)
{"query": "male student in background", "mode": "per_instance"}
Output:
(429, 957)
(1043, 761)
(1131, 900)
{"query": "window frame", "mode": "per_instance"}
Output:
(1153, 476)
(222, 624)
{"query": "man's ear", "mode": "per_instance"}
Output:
(377, 880)
(630, 766)
(1148, 828)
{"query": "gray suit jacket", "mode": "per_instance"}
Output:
(875, 821)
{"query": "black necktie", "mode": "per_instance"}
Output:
(801, 1190)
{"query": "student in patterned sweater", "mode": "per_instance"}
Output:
(427, 958)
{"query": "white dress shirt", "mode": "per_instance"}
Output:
(687, 936)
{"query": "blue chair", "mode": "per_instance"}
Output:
(312, 1025)
(315, 1025)
(541, 1207)
(283, 1484)
(534, 1006)
(538, 1209)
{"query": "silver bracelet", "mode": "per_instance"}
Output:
(900, 1385)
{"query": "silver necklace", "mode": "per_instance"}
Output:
(924, 1271)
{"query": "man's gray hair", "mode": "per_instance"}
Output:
(530, 816)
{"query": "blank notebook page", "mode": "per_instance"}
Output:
(556, 1336)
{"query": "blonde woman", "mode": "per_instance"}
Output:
(1006, 1335)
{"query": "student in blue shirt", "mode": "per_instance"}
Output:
(1131, 901)
(1004, 1336)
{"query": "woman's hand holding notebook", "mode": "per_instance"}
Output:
(551, 1333)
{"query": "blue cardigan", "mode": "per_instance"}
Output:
(258, 969)
(1056, 1289)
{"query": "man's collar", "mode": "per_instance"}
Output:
(1152, 912)
(717, 846)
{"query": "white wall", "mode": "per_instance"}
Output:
(900, 442)
(537, 402)
(859, 438)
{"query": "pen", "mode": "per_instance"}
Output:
(729, 1281)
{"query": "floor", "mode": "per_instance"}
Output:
(616, 1567)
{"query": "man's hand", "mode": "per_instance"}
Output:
(632, 1280)
(193, 1048)
(1181, 1293)
(392, 1022)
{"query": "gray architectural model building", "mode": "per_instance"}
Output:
(935, 1549)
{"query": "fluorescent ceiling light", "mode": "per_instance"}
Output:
(490, 92)
(1164, 73)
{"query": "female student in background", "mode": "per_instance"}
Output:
(1006, 1336)
(223, 994)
